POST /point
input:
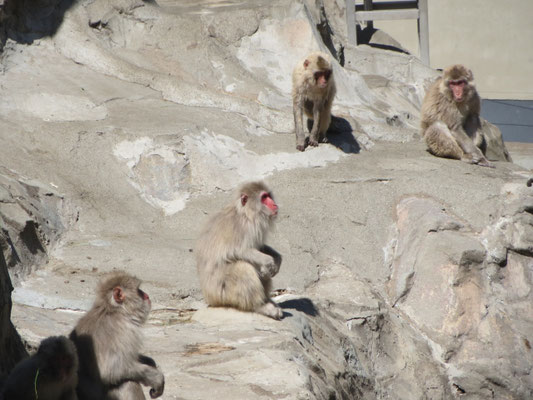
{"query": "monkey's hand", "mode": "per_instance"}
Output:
(300, 147)
(275, 255)
(313, 143)
(479, 159)
(264, 263)
(486, 163)
(149, 375)
(157, 390)
(269, 269)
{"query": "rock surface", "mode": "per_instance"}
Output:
(124, 124)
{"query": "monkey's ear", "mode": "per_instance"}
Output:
(118, 294)
(244, 199)
(306, 63)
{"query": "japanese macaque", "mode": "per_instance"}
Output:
(450, 117)
(50, 374)
(108, 338)
(234, 264)
(313, 90)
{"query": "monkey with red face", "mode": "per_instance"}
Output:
(313, 90)
(234, 264)
(108, 339)
(450, 117)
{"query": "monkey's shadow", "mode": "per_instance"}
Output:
(340, 135)
(304, 305)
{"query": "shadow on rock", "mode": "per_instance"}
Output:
(378, 39)
(303, 305)
(27, 20)
(340, 135)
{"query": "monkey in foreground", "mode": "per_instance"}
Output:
(450, 117)
(50, 374)
(313, 90)
(234, 264)
(108, 338)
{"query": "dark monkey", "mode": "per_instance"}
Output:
(50, 374)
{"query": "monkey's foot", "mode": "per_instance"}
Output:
(479, 161)
(300, 147)
(155, 393)
(270, 310)
(313, 143)
(269, 270)
(486, 163)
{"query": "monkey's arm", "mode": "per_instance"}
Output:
(472, 127)
(262, 261)
(148, 375)
(147, 360)
(297, 108)
(140, 370)
(275, 255)
(468, 146)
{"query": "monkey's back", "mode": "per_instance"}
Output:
(95, 332)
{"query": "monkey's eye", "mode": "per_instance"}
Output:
(327, 74)
(458, 83)
(264, 196)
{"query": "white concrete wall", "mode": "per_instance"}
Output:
(492, 37)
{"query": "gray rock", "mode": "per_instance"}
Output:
(441, 281)
(495, 149)
(33, 217)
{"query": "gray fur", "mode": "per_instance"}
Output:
(108, 338)
(315, 101)
(234, 265)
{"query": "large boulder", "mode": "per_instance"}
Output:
(469, 294)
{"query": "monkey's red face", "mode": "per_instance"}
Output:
(268, 201)
(322, 78)
(144, 296)
(457, 87)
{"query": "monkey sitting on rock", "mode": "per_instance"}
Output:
(450, 117)
(108, 339)
(234, 264)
